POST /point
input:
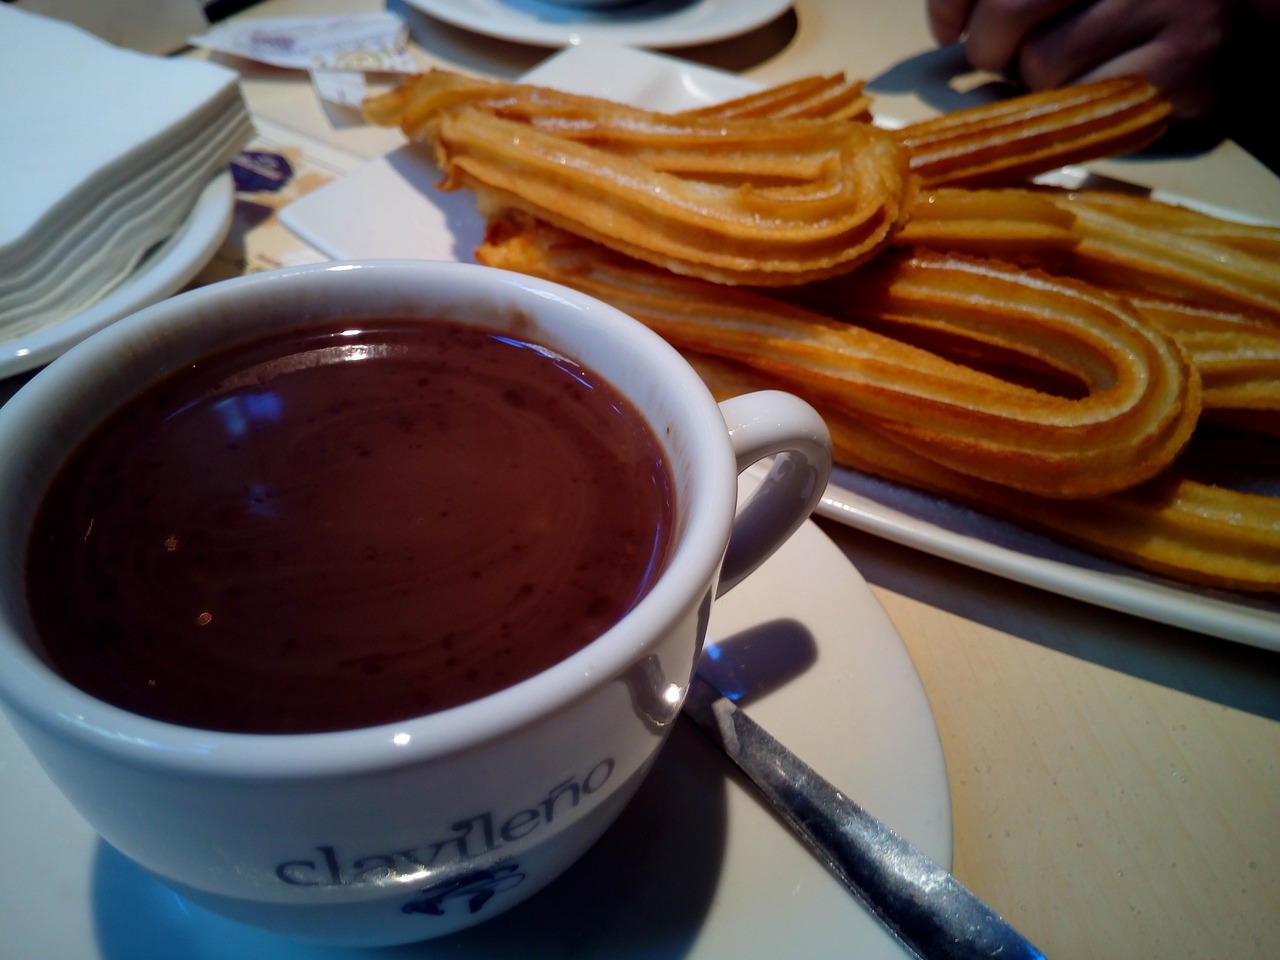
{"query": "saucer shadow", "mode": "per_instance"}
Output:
(642, 891)
(499, 58)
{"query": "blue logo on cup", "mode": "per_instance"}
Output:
(471, 891)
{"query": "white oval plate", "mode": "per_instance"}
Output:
(947, 529)
(695, 869)
(390, 207)
(161, 273)
(644, 23)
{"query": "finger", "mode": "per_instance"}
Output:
(998, 28)
(1188, 85)
(948, 19)
(1176, 51)
(1077, 43)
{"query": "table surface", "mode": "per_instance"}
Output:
(1115, 783)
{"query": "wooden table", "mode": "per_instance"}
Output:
(1115, 783)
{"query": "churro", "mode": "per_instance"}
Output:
(741, 201)
(832, 97)
(1012, 140)
(1237, 356)
(1140, 245)
(1046, 355)
(1175, 524)
(1017, 225)
(1134, 406)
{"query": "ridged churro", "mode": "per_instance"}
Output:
(832, 97)
(1175, 524)
(1136, 400)
(1012, 140)
(1017, 225)
(1043, 354)
(1127, 243)
(1237, 356)
(1141, 245)
(740, 201)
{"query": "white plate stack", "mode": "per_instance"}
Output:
(106, 154)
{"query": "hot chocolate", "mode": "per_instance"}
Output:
(347, 525)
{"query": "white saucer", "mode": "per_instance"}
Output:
(695, 868)
(161, 273)
(643, 23)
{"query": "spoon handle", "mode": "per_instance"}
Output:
(925, 907)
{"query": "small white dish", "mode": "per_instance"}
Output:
(642, 23)
(696, 868)
(162, 272)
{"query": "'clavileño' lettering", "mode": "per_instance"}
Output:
(483, 833)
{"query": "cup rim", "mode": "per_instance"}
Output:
(29, 688)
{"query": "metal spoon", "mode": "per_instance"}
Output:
(927, 909)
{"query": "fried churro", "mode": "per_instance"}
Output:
(1042, 354)
(1175, 524)
(832, 97)
(1014, 139)
(732, 200)
(1137, 244)
(1236, 354)
(1016, 225)
(1135, 406)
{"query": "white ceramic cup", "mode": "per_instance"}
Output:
(408, 830)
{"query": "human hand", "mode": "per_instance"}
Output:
(1048, 43)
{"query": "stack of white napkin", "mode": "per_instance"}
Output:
(106, 152)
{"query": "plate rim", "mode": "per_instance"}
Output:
(1126, 589)
(733, 18)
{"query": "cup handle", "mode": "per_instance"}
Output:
(763, 424)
